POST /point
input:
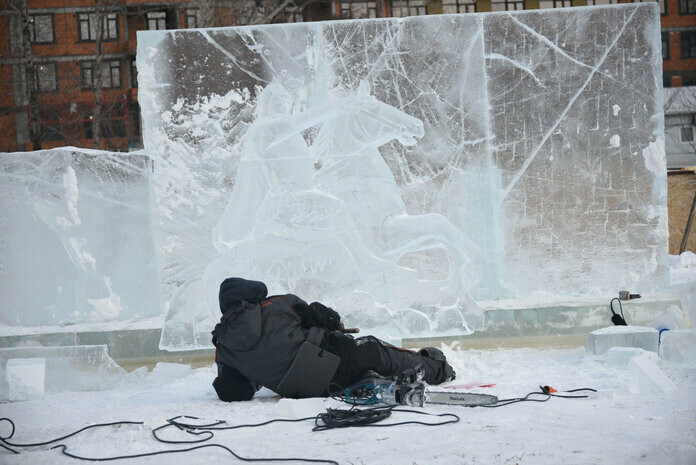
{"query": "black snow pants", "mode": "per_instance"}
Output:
(369, 353)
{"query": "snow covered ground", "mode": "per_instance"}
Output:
(682, 268)
(613, 426)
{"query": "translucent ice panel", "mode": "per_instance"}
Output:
(25, 378)
(170, 371)
(646, 377)
(577, 125)
(601, 340)
(621, 356)
(538, 165)
(76, 238)
(190, 319)
(679, 346)
(72, 368)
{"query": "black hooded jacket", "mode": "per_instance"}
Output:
(257, 338)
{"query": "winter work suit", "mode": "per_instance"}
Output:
(259, 337)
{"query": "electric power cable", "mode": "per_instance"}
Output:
(337, 418)
(4, 443)
(64, 450)
(544, 391)
(333, 418)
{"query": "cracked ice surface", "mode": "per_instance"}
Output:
(523, 179)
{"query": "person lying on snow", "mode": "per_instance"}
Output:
(298, 349)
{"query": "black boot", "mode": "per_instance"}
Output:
(435, 370)
(436, 354)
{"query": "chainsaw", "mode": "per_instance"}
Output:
(409, 390)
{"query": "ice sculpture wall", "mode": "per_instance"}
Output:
(76, 238)
(539, 166)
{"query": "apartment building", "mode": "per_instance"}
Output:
(81, 53)
(68, 74)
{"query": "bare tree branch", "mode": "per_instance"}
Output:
(28, 69)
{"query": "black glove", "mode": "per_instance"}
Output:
(328, 316)
(316, 314)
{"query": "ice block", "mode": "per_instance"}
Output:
(70, 368)
(76, 238)
(679, 346)
(643, 337)
(414, 165)
(25, 378)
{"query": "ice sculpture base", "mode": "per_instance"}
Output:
(72, 368)
(508, 324)
(130, 343)
(570, 316)
(551, 322)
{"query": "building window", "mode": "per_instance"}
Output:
(662, 3)
(50, 131)
(689, 80)
(134, 74)
(111, 74)
(665, 45)
(507, 5)
(688, 44)
(293, 14)
(555, 3)
(110, 26)
(45, 77)
(458, 6)
(156, 20)
(666, 81)
(134, 111)
(403, 8)
(686, 134)
(687, 7)
(358, 9)
(114, 124)
(87, 74)
(41, 29)
(191, 18)
(87, 26)
(84, 27)
(50, 127)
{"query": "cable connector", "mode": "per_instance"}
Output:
(548, 390)
(617, 319)
(625, 295)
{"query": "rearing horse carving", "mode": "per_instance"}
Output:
(329, 219)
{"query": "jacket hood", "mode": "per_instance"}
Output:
(241, 323)
(235, 290)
